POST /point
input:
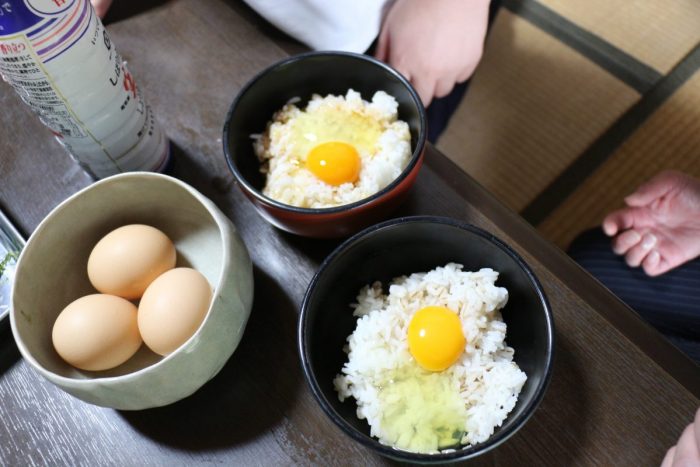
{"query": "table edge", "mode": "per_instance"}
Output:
(590, 290)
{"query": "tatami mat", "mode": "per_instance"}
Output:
(659, 33)
(670, 138)
(533, 107)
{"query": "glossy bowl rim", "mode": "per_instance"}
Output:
(492, 442)
(259, 196)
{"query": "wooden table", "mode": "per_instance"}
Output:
(620, 394)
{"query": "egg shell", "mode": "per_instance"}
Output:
(172, 309)
(97, 332)
(126, 260)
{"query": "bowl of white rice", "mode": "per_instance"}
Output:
(325, 144)
(364, 339)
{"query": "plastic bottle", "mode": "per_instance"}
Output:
(58, 56)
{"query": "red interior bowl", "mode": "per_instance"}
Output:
(299, 77)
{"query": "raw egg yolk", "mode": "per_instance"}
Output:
(435, 337)
(334, 163)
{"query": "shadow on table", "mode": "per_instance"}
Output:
(317, 249)
(570, 391)
(9, 353)
(251, 393)
(558, 430)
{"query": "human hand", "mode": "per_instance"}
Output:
(101, 6)
(687, 451)
(434, 44)
(660, 227)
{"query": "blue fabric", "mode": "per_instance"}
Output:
(670, 302)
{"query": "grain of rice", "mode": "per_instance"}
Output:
(485, 375)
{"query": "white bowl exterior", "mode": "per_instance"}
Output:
(151, 381)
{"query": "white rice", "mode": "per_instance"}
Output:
(289, 182)
(486, 376)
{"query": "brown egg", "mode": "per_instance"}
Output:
(172, 309)
(125, 261)
(97, 332)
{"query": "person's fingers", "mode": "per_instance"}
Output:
(626, 240)
(443, 87)
(639, 252)
(687, 450)
(661, 267)
(467, 72)
(654, 264)
(610, 226)
(464, 75)
(101, 7)
(651, 263)
(668, 458)
(653, 189)
(401, 68)
(696, 426)
(425, 88)
(617, 221)
(628, 218)
(382, 50)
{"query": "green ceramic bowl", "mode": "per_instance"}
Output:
(52, 272)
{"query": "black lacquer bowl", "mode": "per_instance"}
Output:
(299, 77)
(401, 247)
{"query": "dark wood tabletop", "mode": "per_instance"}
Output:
(620, 393)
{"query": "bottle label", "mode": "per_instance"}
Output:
(59, 58)
(31, 17)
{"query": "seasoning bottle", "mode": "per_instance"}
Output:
(58, 56)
